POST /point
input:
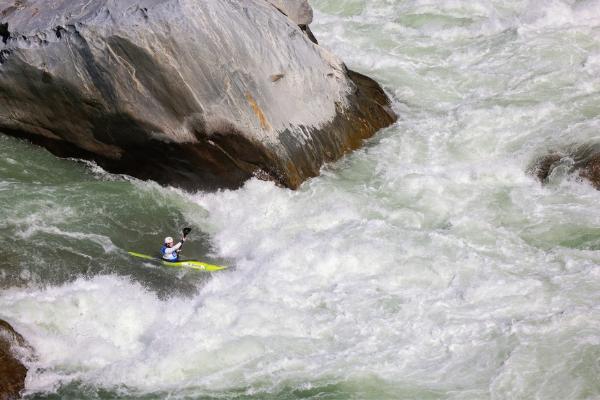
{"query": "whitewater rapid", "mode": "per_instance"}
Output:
(429, 264)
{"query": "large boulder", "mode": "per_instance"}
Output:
(12, 371)
(198, 94)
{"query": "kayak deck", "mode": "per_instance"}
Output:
(192, 264)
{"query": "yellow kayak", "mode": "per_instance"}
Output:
(197, 265)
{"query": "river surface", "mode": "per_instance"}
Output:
(430, 264)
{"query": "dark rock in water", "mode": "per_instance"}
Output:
(197, 94)
(12, 371)
(591, 171)
(583, 160)
(545, 165)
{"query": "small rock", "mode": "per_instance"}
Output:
(583, 160)
(12, 370)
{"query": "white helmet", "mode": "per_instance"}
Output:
(168, 240)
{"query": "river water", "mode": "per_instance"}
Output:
(430, 264)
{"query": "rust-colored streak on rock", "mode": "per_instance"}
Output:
(264, 124)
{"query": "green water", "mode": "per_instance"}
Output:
(68, 219)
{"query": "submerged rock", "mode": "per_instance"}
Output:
(12, 371)
(198, 94)
(583, 160)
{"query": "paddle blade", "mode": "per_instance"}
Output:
(186, 231)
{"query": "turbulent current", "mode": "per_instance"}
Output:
(430, 264)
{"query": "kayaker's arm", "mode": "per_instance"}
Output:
(169, 250)
(180, 244)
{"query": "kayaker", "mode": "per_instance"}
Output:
(169, 251)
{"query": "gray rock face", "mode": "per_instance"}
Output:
(12, 371)
(198, 94)
(299, 11)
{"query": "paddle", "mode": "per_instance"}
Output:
(186, 231)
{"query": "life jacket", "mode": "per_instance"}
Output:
(173, 256)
